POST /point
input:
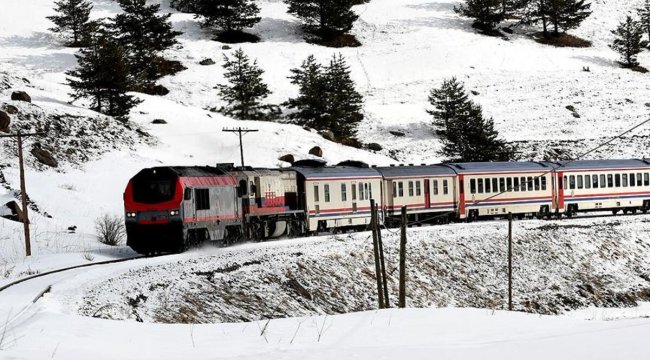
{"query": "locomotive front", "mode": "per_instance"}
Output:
(152, 205)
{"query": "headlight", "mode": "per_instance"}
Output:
(174, 212)
(130, 214)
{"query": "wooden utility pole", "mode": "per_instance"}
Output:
(510, 261)
(381, 256)
(23, 189)
(402, 260)
(241, 132)
(375, 243)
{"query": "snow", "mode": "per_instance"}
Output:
(408, 48)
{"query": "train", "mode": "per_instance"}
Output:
(171, 208)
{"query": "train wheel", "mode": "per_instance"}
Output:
(633, 211)
(615, 211)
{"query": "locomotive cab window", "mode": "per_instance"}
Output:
(188, 194)
(202, 199)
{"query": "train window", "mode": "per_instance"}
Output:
(394, 189)
(411, 189)
(361, 191)
(202, 199)
(418, 189)
(594, 181)
(587, 181)
(566, 183)
(518, 185)
(253, 188)
(624, 180)
(480, 186)
(617, 178)
(610, 180)
(509, 183)
(522, 186)
(580, 181)
(354, 191)
(488, 187)
(316, 199)
(495, 185)
(572, 182)
(326, 188)
(188, 193)
(603, 183)
(537, 184)
(639, 181)
(367, 193)
(632, 179)
(400, 187)
(435, 187)
(344, 192)
(445, 187)
(646, 179)
(502, 184)
(472, 186)
(543, 183)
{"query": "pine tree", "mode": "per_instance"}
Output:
(629, 42)
(567, 14)
(344, 103)
(186, 6)
(487, 14)
(449, 102)
(144, 34)
(228, 15)
(73, 17)
(644, 15)
(246, 88)
(310, 104)
(324, 18)
(103, 76)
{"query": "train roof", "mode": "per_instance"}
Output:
(480, 167)
(601, 164)
(193, 171)
(409, 171)
(328, 172)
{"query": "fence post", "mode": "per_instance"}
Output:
(510, 261)
(381, 256)
(402, 260)
(373, 226)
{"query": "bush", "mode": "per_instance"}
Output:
(110, 230)
(374, 147)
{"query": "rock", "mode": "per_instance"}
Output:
(575, 115)
(159, 121)
(397, 133)
(571, 108)
(374, 147)
(647, 104)
(316, 151)
(207, 61)
(21, 96)
(226, 47)
(10, 109)
(72, 229)
(287, 158)
(156, 90)
(4, 121)
(474, 92)
(44, 156)
(327, 134)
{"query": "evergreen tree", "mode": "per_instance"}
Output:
(325, 18)
(629, 41)
(566, 14)
(487, 14)
(187, 6)
(644, 15)
(73, 17)
(467, 135)
(310, 104)
(103, 76)
(144, 34)
(449, 102)
(327, 98)
(344, 103)
(228, 15)
(246, 88)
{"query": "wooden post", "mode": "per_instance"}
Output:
(381, 256)
(510, 261)
(23, 196)
(373, 223)
(402, 260)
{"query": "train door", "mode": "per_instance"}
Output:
(427, 194)
(461, 196)
(560, 191)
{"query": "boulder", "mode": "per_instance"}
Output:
(4, 121)
(397, 133)
(44, 156)
(10, 109)
(328, 134)
(287, 158)
(207, 61)
(374, 147)
(159, 121)
(316, 151)
(21, 96)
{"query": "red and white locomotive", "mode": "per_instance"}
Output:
(171, 208)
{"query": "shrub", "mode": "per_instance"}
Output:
(110, 230)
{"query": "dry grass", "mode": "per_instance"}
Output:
(563, 40)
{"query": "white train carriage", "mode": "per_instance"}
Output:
(424, 190)
(337, 197)
(495, 189)
(604, 185)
